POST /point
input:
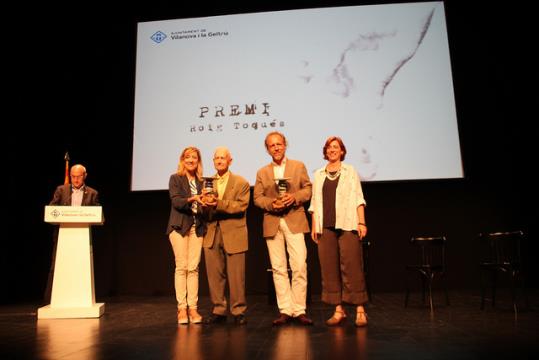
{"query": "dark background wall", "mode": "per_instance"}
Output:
(72, 89)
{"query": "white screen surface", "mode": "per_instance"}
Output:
(377, 76)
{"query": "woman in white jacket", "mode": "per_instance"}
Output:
(338, 227)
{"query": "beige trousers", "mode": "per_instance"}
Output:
(187, 250)
(291, 295)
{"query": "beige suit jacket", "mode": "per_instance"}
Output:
(230, 214)
(265, 192)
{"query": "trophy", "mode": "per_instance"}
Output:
(282, 187)
(209, 193)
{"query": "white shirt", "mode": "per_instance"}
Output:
(76, 196)
(348, 197)
(278, 170)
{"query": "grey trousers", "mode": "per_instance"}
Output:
(221, 267)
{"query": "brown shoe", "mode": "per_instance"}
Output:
(215, 319)
(338, 318)
(182, 317)
(361, 319)
(281, 320)
(304, 320)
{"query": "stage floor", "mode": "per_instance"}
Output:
(145, 328)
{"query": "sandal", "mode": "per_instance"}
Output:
(338, 317)
(361, 318)
(182, 317)
(194, 316)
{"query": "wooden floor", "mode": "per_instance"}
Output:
(145, 328)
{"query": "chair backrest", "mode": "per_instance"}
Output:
(501, 248)
(366, 256)
(431, 250)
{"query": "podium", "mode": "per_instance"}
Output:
(73, 292)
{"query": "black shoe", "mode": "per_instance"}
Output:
(304, 320)
(281, 320)
(215, 319)
(240, 319)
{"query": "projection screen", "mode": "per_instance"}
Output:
(378, 76)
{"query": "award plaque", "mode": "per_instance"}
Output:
(210, 193)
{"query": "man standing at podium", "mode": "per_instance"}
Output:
(75, 194)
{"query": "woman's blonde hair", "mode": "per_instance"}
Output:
(181, 167)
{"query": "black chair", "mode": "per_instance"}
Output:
(430, 264)
(501, 253)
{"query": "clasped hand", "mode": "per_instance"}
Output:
(207, 198)
(284, 202)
